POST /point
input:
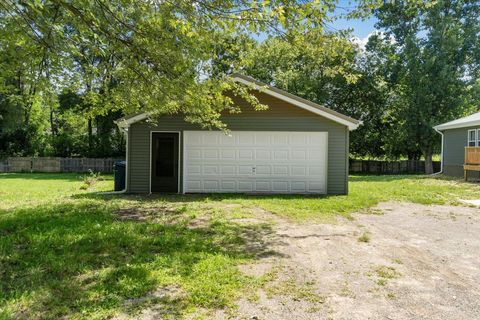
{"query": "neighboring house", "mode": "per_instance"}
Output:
(296, 146)
(460, 139)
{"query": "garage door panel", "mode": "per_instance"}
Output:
(263, 170)
(194, 154)
(263, 154)
(298, 171)
(245, 154)
(245, 186)
(228, 154)
(280, 186)
(280, 154)
(246, 161)
(280, 170)
(262, 140)
(210, 170)
(299, 186)
(229, 185)
(194, 185)
(298, 154)
(193, 170)
(228, 170)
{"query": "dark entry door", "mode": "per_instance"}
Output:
(165, 162)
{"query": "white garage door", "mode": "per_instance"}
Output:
(255, 161)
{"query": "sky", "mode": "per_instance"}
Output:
(361, 29)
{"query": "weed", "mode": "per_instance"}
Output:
(90, 179)
(384, 274)
(365, 237)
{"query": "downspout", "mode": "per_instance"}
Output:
(441, 152)
(124, 128)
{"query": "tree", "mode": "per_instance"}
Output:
(329, 69)
(164, 49)
(437, 53)
(23, 70)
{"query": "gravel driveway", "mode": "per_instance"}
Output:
(400, 261)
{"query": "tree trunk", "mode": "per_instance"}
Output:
(52, 123)
(90, 136)
(428, 161)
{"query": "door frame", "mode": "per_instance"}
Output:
(179, 158)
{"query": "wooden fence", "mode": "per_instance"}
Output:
(46, 164)
(390, 167)
(51, 164)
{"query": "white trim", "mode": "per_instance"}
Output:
(183, 163)
(459, 123)
(441, 151)
(126, 160)
(125, 123)
(326, 163)
(446, 126)
(150, 160)
(349, 124)
(474, 139)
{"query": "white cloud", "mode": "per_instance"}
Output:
(362, 42)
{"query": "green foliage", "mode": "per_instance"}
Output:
(87, 62)
(154, 56)
(68, 68)
(314, 65)
(434, 66)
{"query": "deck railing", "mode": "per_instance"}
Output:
(472, 155)
(472, 160)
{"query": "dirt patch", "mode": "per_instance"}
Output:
(420, 262)
(164, 214)
(394, 261)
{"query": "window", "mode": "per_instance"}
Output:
(472, 138)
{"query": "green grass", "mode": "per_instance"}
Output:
(68, 252)
(65, 252)
(365, 192)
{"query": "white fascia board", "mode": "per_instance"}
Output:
(351, 126)
(447, 126)
(125, 123)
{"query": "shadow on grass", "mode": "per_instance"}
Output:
(196, 197)
(80, 260)
(385, 178)
(389, 178)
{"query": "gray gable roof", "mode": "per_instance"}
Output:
(468, 121)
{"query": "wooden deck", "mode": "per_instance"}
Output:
(472, 160)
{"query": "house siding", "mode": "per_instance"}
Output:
(281, 116)
(454, 143)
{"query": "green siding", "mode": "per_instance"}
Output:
(280, 117)
(454, 143)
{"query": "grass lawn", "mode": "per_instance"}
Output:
(68, 252)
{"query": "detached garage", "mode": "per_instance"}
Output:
(295, 146)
